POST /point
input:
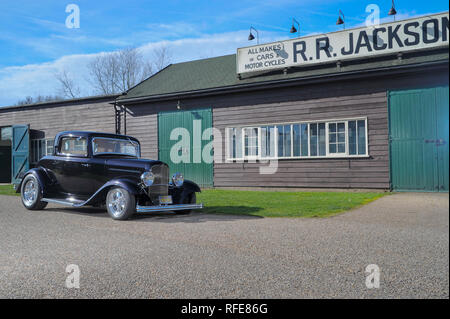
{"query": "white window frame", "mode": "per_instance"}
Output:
(258, 140)
(328, 155)
(327, 142)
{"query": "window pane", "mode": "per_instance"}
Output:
(251, 141)
(235, 143)
(332, 148)
(296, 137)
(361, 137)
(341, 148)
(352, 137)
(322, 137)
(268, 141)
(50, 144)
(313, 139)
(284, 140)
(103, 145)
(304, 139)
(332, 127)
(74, 146)
(287, 140)
(6, 134)
(231, 143)
(280, 141)
(332, 138)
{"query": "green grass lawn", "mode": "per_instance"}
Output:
(7, 190)
(282, 204)
(272, 204)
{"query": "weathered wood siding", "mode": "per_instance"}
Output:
(142, 123)
(345, 99)
(47, 120)
(332, 100)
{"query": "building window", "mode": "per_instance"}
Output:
(6, 133)
(251, 145)
(284, 140)
(336, 138)
(234, 143)
(268, 141)
(40, 148)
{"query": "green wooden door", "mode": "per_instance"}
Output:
(418, 134)
(20, 153)
(185, 146)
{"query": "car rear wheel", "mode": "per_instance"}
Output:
(120, 204)
(191, 199)
(31, 194)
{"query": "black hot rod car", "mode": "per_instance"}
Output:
(88, 168)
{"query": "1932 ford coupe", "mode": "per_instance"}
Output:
(101, 169)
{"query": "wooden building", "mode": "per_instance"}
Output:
(370, 121)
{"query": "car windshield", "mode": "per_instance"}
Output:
(115, 146)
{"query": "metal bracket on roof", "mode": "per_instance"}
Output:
(285, 71)
(400, 56)
(239, 76)
(338, 65)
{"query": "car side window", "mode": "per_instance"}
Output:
(73, 146)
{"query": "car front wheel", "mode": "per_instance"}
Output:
(191, 199)
(120, 204)
(31, 194)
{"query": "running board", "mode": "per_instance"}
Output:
(67, 202)
(165, 208)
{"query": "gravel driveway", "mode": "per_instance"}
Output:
(217, 256)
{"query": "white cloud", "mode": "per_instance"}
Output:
(17, 82)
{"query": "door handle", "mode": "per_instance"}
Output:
(440, 142)
(85, 164)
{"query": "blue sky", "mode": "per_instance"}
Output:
(35, 44)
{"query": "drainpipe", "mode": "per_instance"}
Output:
(117, 112)
(124, 120)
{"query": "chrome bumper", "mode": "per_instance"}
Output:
(165, 208)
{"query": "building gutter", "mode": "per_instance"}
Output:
(288, 82)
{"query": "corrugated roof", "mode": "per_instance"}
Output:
(220, 72)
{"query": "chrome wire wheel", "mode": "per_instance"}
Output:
(117, 204)
(30, 193)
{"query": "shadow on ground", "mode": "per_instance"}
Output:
(222, 213)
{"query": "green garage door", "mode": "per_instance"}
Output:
(182, 146)
(419, 136)
(20, 153)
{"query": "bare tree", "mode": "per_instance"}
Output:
(162, 58)
(118, 71)
(37, 99)
(68, 87)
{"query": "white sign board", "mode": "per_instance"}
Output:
(401, 36)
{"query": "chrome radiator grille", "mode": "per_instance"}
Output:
(160, 185)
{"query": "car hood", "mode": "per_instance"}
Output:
(137, 164)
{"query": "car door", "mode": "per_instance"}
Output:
(76, 172)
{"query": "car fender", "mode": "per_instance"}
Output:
(188, 188)
(127, 184)
(40, 175)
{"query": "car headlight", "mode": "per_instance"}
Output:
(178, 179)
(147, 178)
